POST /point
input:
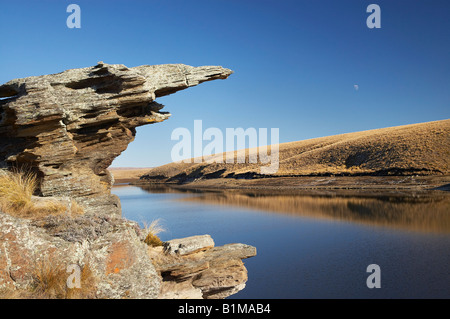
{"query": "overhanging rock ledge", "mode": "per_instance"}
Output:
(69, 127)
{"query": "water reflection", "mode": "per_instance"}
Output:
(424, 212)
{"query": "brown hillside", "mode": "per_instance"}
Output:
(417, 149)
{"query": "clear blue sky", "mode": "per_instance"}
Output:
(295, 62)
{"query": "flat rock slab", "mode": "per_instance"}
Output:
(230, 251)
(201, 270)
(188, 245)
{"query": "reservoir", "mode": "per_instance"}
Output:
(313, 245)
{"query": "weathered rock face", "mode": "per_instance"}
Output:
(121, 265)
(192, 268)
(69, 127)
(117, 257)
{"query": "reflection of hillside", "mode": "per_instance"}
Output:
(425, 213)
(161, 189)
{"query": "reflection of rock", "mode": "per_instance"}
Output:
(203, 271)
(70, 126)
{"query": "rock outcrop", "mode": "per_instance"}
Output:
(120, 265)
(69, 127)
(33, 254)
(192, 268)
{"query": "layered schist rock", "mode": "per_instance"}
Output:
(121, 265)
(112, 249)
(192, 268)
(69, 127)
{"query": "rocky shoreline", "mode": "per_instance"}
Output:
(66, 129)
(192, 268)
(120, 264)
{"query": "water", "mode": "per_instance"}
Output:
(311, 246)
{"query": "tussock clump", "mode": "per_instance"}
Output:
(16, 197)
(16, 189)
(50, 282)
(152, 231)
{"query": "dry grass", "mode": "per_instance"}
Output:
(50, 282)
(152, 231)
(410, 150)
(127, 175)
(16, 197)
(17, 188)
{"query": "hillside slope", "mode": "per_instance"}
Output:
(417, 149)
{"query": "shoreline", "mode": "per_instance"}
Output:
(328, 183)
(127, 174)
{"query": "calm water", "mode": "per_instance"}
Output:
(312, 246)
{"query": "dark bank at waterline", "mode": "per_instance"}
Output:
(314, 246)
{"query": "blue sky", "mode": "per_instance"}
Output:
(295, 62)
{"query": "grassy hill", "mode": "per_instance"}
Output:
(417, 149)
(127, 174)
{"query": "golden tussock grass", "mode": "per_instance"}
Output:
(152, 231)
(49, 281)
(422, 148)
(17, 188)
(16, 197)
(126, 175)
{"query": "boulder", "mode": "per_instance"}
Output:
(205, 272)
(188, 245)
